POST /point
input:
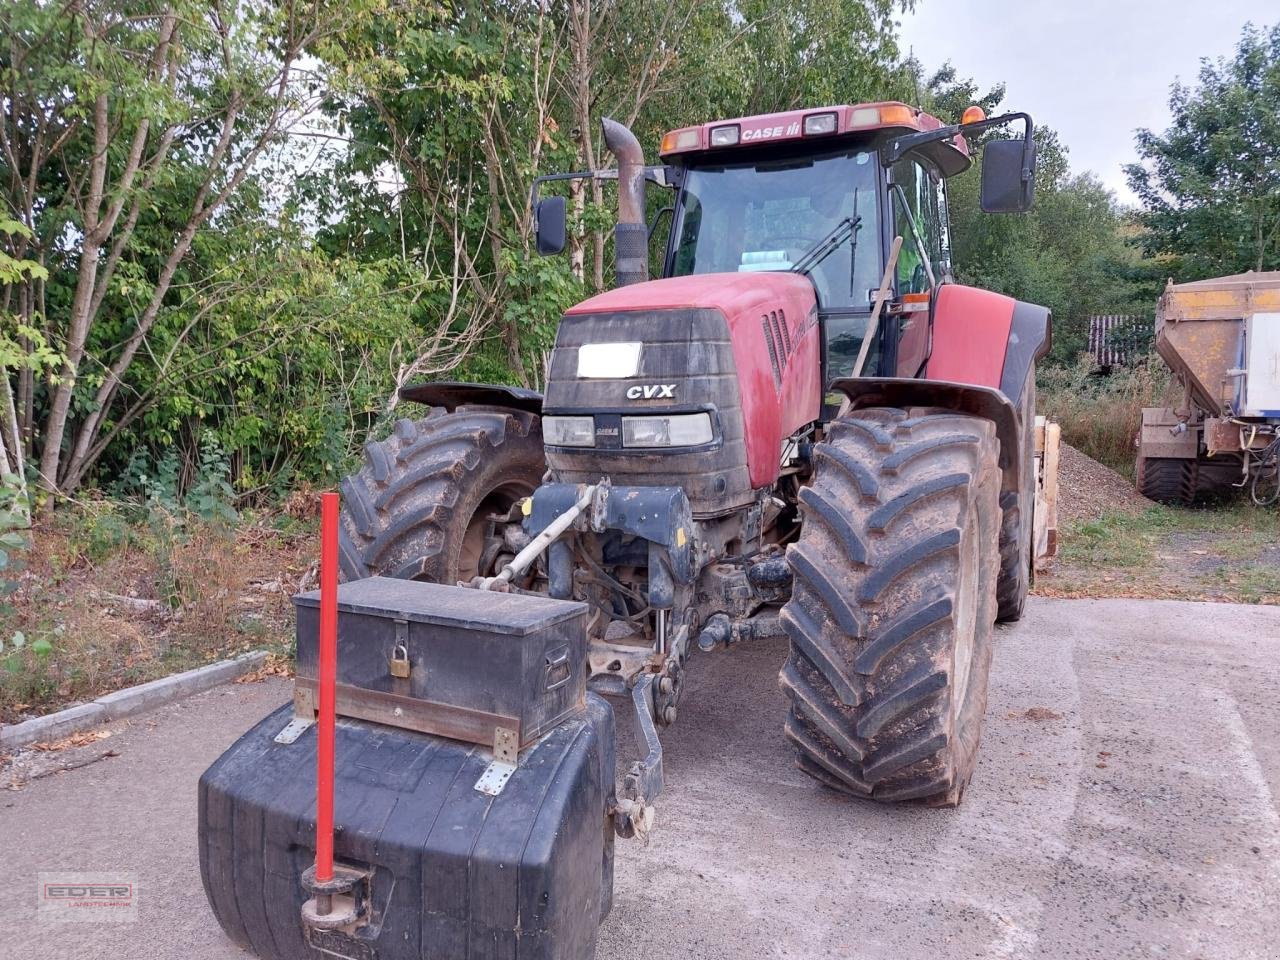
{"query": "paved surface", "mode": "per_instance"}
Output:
(1131, 813)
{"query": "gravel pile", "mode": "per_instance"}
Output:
(1087, 489)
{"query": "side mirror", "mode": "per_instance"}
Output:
(549, 225)
(1003, 188)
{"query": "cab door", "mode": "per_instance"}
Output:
(918, 204)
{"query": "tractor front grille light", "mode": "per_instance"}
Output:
(676, 430)
(569, 431)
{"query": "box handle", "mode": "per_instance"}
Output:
(558, 668)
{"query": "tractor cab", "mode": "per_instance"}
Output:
(824, 192)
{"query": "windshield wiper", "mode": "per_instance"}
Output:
(841, 232)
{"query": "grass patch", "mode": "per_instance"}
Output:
(1231, 552)
(119, 593)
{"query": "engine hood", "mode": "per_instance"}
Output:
(733, 294)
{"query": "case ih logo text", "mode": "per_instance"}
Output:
(652, 391)
(768, 133)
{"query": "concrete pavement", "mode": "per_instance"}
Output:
(1124, 806)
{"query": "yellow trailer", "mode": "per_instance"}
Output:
(1221, 339)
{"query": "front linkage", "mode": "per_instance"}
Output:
(645, 612)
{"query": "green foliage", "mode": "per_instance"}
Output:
(1068, 253)
(1101, 416)
(1210, 184)
(103, 529)
(210, 497)
(14, 520)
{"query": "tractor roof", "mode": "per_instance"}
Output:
(817, 124)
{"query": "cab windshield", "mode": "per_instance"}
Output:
(767, 215)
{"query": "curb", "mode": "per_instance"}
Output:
(127, 702)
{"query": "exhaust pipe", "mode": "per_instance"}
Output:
(630, 236)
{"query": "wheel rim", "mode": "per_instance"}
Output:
(474, 541)
(966, 619)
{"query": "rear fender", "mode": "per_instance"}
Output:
(987, 402)
(451, 395)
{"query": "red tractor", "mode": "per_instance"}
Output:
(880, 517)
(803, 428)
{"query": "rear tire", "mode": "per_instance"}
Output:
(419, 508)
(1017, 510)
(893, 605)
(1167, 480)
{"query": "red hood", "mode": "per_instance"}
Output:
(731, 293)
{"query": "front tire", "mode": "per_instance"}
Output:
(893, 605)
(420, 507)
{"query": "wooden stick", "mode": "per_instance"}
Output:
(881, 296)
(873, 322)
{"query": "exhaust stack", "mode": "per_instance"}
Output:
(630, 236)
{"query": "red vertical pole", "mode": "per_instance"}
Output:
(328, 678)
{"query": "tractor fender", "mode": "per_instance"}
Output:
(987, 402)
(986, 338)
(452, 394)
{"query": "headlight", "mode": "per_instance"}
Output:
(615, 361)
(816, 123)
(679, 430)
(569, 431)
(725, 136)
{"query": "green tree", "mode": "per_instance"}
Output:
(1068, 253)
(1210, 183)
(128, 125)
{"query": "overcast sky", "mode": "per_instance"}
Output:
(1094, 70)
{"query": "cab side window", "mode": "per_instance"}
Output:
(942, 270)
(917, 214)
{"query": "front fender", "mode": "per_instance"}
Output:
(986, 402)
(452, 394)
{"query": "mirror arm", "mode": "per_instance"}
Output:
(893, 150)
(659, 175)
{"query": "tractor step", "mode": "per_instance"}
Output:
(432, 864)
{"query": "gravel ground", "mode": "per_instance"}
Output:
(1088, 489)
(1123, 807)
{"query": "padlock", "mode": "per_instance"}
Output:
(400, 662)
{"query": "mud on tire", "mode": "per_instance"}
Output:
(893, 604)
(418, 507)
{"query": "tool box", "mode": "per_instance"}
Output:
(473, 786)
(479, 667)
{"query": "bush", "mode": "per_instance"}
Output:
(1101, 415)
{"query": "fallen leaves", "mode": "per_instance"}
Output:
(77, 740)
(274, 666)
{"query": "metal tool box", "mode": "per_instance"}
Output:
(498, 669)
